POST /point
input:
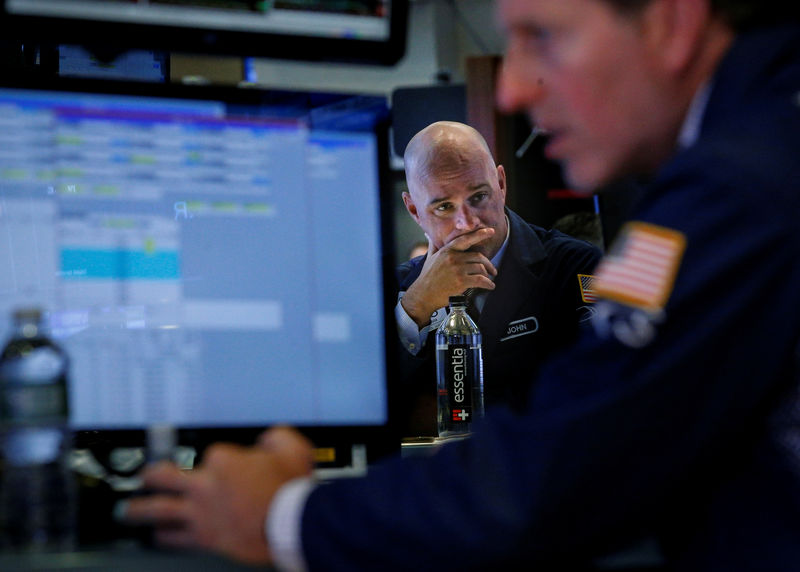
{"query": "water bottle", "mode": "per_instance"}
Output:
(37, 490)
(459, 371)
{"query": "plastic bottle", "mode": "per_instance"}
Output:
(459, 371)
(37, 489)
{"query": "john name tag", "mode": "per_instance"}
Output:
(521, 327)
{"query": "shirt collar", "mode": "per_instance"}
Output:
(690, 130)
(497, 258)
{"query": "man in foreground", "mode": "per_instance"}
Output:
(678, 416)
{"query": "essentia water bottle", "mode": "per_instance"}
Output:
(459, 371)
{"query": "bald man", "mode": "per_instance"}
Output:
(530, 296)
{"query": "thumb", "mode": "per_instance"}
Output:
(431, 251)
(431, 247)
(283, 439)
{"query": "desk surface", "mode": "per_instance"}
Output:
(415, 446)
(122, 558)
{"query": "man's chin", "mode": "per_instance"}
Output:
(586, 178)
(481, 249)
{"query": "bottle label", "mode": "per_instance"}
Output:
(32, 446)
(33, 403)
(459, 379)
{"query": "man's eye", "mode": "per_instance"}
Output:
(533, 40)
(475, 199)
(444, 207)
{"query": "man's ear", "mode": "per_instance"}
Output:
(410, 206)
(676, 30)
(501, 180)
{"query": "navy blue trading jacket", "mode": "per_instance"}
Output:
(537, 287)
(681, 422)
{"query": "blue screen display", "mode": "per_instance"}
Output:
(202, 263)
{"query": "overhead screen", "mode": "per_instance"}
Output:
(361, 31)
(209, 258)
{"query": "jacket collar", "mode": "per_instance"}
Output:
(524, 244)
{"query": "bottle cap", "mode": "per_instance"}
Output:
(459, 300)
(161, 441)
(28, 313)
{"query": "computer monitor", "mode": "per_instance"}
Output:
(359, 31)
(215, 259)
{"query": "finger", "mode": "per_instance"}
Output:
(473, 263)
(161, 509)
(176, 538)
(481, 281)
(164, 476)
(470, 239)
(485, 266)
(482, 269)
(221, 454)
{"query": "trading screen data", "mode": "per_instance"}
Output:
(200, 267)
(366, 19)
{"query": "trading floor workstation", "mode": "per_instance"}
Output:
(193, 248)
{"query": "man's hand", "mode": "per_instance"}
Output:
(222, 505)
(448, 272)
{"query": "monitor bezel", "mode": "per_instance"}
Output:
(108, 39)
(380, 440)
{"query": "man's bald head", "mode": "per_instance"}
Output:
(443, 147)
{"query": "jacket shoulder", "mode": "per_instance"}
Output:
(408, 271)
(559, 244)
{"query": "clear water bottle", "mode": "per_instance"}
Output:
(459, 371)
(37, 490)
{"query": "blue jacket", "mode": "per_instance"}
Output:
(537, 289)
(679, 421)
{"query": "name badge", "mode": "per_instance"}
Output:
(521, 327)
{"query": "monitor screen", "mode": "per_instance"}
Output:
(209, 258)
(367, 31)
(143, 65)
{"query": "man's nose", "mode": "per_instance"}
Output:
(466, 218)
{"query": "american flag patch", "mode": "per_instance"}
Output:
(641, 267)
(586, 282)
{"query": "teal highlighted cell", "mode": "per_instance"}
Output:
(83, 264)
